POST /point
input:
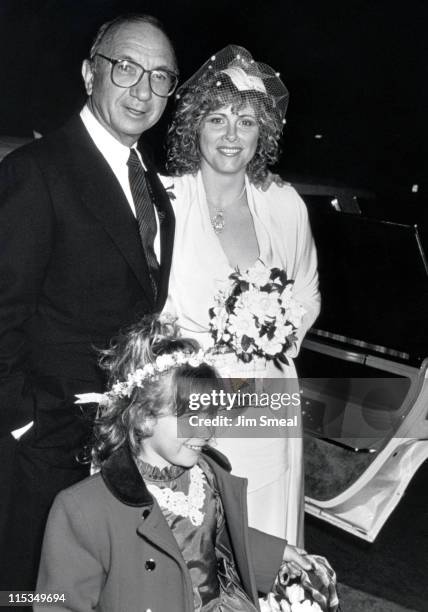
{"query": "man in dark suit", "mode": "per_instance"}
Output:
(86, 237)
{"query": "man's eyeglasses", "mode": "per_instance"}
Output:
(126, 73)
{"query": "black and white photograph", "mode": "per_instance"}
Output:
(213, 306)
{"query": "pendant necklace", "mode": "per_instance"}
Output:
(217, 220)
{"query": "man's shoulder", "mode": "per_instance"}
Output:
(25, 152)
(51, 146)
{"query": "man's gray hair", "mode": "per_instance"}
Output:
(109, 28)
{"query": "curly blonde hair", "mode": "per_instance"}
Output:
(128, 420)
(207, 96)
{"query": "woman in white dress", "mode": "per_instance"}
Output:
(224, 134)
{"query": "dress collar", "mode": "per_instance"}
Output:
(123, 479)
(156, 474)
(257, 205)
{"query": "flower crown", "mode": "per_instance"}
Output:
(149, 372)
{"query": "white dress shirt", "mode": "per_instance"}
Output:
(116, 155)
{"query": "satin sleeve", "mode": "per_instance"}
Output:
(306, 288)
(295, 249)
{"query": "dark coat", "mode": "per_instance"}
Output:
(108, 546)
(72, 273)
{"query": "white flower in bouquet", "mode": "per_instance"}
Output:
(270, 604)
(295, 593)
(222, 293)
(247, 300)
(264, 606)
(295, 313)
(260, 303)
(223, 289)
(243, 324)
(287, 295)
(305, 606)
(258, 275)
(283, 326)
(297, 590)
(257, 315)
(220, 320)
(271, 347)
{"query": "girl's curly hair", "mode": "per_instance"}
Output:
(129, 420)
(210, 93)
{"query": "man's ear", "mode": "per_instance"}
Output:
(88, 75)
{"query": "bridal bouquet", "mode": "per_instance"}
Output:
(256, 315)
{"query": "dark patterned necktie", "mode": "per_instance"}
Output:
(145, 211)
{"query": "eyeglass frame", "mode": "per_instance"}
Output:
(114, 62)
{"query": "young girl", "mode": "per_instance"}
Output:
(162, 527)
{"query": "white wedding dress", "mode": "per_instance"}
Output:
(273, 466)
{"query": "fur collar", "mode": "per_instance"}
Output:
(124, 481)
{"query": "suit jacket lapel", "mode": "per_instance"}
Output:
(103, 195)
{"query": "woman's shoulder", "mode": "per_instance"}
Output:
(166, 180)
(281, 198)
(283, 191)
(180, 189)
(173, 183)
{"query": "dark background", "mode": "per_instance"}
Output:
(357, 72)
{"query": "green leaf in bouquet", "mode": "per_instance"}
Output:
(282, 358)
(271, 331)
(246, 342)
(263, 330)
(291, 338)
(230, 304)
(268, 288)
(243, 286)
(278, 364)
(245, 357)
(280, 275)
(274, 273)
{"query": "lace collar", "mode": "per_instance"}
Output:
(190, 505)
